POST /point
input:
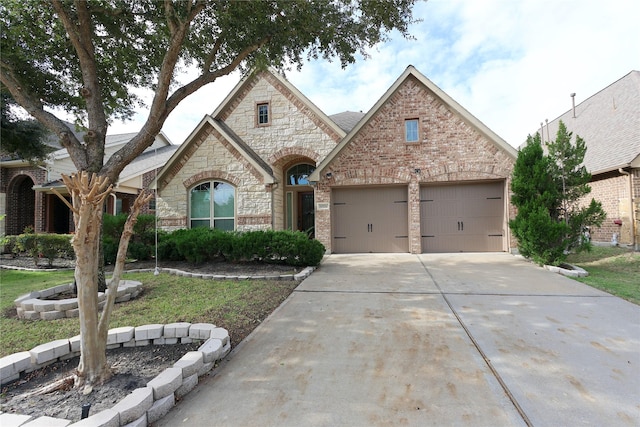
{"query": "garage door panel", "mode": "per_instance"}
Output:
(462, 217)
(370, 220)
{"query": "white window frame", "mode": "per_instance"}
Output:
(212, 218)
(409, 138)
(258, 116)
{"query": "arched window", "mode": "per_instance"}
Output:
(299, 174)
(213, 205)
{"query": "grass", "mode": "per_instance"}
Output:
(612, 269)
(238, 306)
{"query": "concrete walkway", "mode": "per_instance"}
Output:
(451, 339)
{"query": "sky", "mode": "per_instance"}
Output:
(511, 63)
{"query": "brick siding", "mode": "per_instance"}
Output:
(23, 209)
(449, 150)
(613, 191)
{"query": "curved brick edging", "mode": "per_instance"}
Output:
(144, 405)
(297, 277)
(35, 305)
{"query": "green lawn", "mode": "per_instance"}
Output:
(612, 269)
(238, 306)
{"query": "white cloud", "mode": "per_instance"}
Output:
(512, 64)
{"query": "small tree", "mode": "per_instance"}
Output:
(547, 191)
(89, 57)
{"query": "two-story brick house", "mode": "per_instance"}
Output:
(417, 173)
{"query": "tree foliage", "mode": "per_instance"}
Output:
(23, 139)
(90, 57)
(548, 191)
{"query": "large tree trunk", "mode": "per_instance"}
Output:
(88, 197)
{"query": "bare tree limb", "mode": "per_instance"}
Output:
(127, 232)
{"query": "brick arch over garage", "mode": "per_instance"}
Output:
(464, 171)
(373, 176)
(211, 174)
(21, 204)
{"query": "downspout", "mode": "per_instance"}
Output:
(634, 243)
(274, 186)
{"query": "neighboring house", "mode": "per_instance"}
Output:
(417, 173)
(26, 195)
(609, 123)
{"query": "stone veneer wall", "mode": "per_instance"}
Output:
(450, 150)
(210, 157)
(294, 132)
(292, 123)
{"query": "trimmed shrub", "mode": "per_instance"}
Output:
(142, 243)
(49, 246)
(201, 244)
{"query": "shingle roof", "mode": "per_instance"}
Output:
(347, 120)
(609, 123)
(147, 161)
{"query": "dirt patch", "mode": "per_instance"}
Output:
(133, 367)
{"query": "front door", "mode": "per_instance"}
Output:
(306, 213)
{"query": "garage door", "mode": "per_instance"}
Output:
(370, 220)
(462, 217)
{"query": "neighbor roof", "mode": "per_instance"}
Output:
(609, 123)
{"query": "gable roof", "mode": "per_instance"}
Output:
(609, 123)
(236, 94)
(411, 71)
(207, 121)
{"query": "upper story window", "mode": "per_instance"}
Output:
(299, 174)
(212, 205)
(263, 116)
(411, 130)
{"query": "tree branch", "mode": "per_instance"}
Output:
(32, 104)
(81, 34)
(127, 232)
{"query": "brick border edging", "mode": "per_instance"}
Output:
(174, 271)
(31, 307)
(143, 405)
(298, 277)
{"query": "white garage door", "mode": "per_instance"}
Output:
(370, 220)
(462, 217)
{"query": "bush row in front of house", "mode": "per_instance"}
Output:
(198, 245)
(39, 245)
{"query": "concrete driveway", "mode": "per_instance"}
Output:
(451, 339)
